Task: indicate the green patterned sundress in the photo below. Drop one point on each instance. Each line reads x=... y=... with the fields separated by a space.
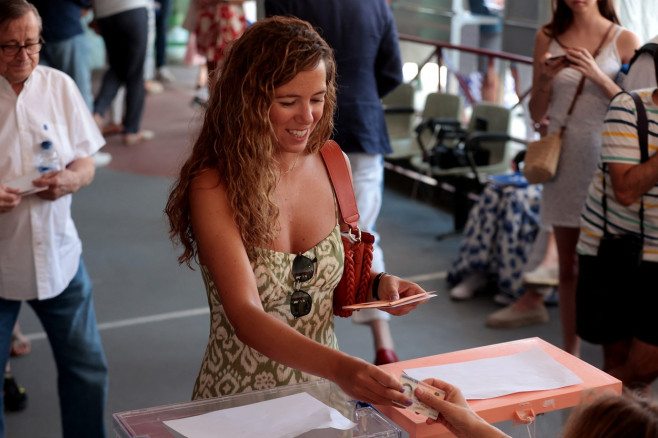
x=231 y=367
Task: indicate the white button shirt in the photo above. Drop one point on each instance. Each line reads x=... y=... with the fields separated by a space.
x=39 y=244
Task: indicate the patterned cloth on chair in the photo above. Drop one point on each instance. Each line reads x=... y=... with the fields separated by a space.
x=498 y=237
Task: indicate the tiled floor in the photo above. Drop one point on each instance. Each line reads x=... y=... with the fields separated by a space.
x=153 y=313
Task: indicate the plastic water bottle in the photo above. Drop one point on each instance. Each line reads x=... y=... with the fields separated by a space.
x=47 y=160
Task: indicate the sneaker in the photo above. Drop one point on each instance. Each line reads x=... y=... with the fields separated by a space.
x=14 y=394
x=471 y=284
x=541 y=276
x=510 y=318
x=102 y=159
x=164 y=75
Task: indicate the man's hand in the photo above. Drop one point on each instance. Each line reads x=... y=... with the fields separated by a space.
x=9 y=198
x=77 y=174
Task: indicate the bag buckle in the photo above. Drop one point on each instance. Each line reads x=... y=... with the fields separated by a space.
x=354 y=237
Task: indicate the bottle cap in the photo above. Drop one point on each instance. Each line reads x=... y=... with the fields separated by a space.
x=47 y=144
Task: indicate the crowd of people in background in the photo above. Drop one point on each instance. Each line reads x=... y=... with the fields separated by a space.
x=265 y=123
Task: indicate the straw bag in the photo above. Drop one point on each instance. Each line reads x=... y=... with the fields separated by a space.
x=541 y=158
x=358 y=245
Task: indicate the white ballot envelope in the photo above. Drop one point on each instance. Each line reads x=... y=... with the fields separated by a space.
x=24 y=183
x=391 y=304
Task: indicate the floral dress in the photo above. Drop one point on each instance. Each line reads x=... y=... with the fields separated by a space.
x=498 y=236
x=232 y=367
x=217 y=25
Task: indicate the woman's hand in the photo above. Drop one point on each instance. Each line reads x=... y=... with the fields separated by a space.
x=455 y=413
x=369 y=383
x=580 y=59
x=392 y=288
x=549 y=69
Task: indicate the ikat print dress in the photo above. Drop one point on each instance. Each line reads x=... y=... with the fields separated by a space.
x=231 y=367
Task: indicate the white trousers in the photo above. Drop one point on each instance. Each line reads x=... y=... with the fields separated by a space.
x=368 y=179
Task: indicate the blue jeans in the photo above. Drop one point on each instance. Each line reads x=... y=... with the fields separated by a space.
x=69 y=321
x=72 y=57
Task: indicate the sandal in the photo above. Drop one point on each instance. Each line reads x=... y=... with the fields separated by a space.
x=20 y=345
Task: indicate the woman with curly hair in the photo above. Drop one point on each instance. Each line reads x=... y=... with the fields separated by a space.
x=253 y=202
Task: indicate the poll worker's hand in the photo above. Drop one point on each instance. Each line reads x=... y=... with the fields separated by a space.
x=9 y=198
x=368 y=383
x=455 y=413
x=392 y=288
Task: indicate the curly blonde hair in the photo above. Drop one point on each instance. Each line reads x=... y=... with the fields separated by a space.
x=237 y=138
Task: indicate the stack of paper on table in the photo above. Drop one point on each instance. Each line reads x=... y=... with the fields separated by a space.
x=564 y=378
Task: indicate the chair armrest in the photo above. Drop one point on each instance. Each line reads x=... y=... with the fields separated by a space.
x=478 y=137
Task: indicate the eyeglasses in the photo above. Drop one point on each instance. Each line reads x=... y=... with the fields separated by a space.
x=303 y=269
x=14 y=49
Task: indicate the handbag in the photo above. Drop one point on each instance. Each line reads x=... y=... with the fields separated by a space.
x=542 y=156
x=358 y=245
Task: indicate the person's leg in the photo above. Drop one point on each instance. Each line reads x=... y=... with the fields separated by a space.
x=546 y=273
x=134 y=26
x=112 y=78
x=8 y=315
x=72 y=56
x=69 y=321
x=566 y=239
x=368 y=180
x=634 y=362
x=20 y=345
x=161 y=25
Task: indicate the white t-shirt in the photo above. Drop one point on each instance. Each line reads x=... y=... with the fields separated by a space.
x=642 y=72
x=39 y=244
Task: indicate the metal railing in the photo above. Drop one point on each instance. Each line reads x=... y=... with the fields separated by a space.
x=439 y=46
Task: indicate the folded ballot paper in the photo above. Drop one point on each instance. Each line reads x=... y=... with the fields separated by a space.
x=278 y=418
x=391 y=304
x=24 y=183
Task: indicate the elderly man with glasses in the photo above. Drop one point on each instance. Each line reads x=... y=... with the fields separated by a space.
x=40 y=251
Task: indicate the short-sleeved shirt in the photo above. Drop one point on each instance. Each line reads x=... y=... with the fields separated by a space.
x=620 y=144
x=39 y=245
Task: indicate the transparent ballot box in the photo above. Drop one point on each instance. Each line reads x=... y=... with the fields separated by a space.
x=148 y=422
